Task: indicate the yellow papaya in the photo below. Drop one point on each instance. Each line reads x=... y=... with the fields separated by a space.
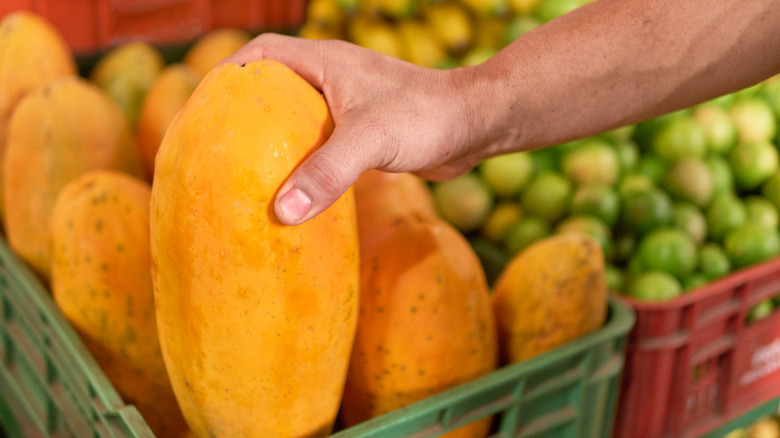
x=101 y=280
x=551 y=293
x=57 y=133
x=426 y=323
x=32 y=54
x=256 y=318
x=213 y=47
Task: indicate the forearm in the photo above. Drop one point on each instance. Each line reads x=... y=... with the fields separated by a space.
x=617 y=62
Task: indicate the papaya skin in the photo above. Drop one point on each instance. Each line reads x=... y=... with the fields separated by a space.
x=56 y=134
x=426 y=322
x=102 y=282
x=551 y=293
x=256 y=318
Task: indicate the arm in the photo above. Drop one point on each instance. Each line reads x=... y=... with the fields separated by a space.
x=605 y=65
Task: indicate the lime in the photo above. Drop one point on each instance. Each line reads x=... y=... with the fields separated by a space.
x=723 y=214
x=614 y=277
x=633 y=183
x=770 y=92
x=694 y=281
x=645 y=132
x=619 y=135
x=598 y=200
x=753 y=163
x=546 y=10
x=689 y=179
x=635 y=265
x=719 y=129
x=546 y=159
x=503 y=215
x=762 y=211
x=519 y=25
x=465 y=201
x=507 y=174
x=751 y=243
x=628 y=155
x=646 y=210
x=586 y=224
x=754 y=119
x=653 y=167
x=590 y=161
x=654 y=286
x=524 y=232
x=722 y=176
x=690 y=219
x=760 y=311
x=771 y=189
x=713 y=261
x=669 y=250
x=681 y=137
x=548 y=196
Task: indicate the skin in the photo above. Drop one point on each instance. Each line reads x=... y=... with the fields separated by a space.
x=608 y=64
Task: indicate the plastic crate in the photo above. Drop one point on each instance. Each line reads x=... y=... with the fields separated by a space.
x=51 y=386
x=90 y=26
x=694 y=364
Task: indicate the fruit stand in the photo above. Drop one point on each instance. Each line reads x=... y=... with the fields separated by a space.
x=683 y=212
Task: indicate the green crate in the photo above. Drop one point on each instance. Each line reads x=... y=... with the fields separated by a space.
x=51 y=386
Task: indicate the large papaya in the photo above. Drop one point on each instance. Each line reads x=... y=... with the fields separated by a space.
x=56 y=134
x=102 y=282
x=381 y=196
x=256 y=318
x=426 y=322
x=551 y=293
x=32 y=54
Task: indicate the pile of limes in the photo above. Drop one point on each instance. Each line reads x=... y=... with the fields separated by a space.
x=676 y=202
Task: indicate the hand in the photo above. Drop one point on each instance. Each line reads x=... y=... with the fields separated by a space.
x=388 y=114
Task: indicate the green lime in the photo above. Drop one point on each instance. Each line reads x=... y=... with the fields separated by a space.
x=628 y=156
x=753 y=163
x=548 y=196
x=465 y=201
x=722 y=176
x=723 y=214
x=591 y=161
x=507 y=174
x=669 y=250
x=654 y=286
x=681 y=137
x=754 y=119
x=524 y=232
x=751 y=243
x=598 y=200
x=633 y=183
x=771 y=189
x=713 y=261
x=762 y=211
x=653 y=167
x=615 y=278
x=719 y=129
x=690 y=219
x=619 y=135
x=586 y=224
x=645 y=211
x=760 y=311
x=546 y=159
x=689 y=179
x=770 y=92
x=503 y=215
x=694 y=281
x=645 y=132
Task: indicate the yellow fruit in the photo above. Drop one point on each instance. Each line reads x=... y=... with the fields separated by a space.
x=419 y=45
x=376 y=35
x=126 y=73
x=213 y=47
x=522 y=6
x=324 y=14
x=311 y=31
x=452 y=24
x=486 y=7
x=397 y=8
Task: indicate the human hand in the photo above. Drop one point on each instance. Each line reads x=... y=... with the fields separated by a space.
x=388 y=114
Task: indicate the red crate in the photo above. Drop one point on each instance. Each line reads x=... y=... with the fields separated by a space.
x=259 y=15
x=694 y=363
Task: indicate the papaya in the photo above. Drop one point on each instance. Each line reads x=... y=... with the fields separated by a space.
x=381 y=196
x=213 y=47
x=551 y=293
x=57 y=133
x=169 y=92
x=426 y=323
x=256 y=318
x=101 y=280
x=32 y=54
x=125 y=74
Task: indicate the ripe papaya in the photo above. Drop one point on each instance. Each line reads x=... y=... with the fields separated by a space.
x=552 y=292
x=56 y=134
x=101 y=280
x=426 y=323
x=32 y=54
x=213 y=47
x=256 y=318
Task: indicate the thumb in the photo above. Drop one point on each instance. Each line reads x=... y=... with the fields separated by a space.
x=317 y=183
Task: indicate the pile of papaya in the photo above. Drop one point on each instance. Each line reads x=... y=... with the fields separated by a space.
x=140 y=194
